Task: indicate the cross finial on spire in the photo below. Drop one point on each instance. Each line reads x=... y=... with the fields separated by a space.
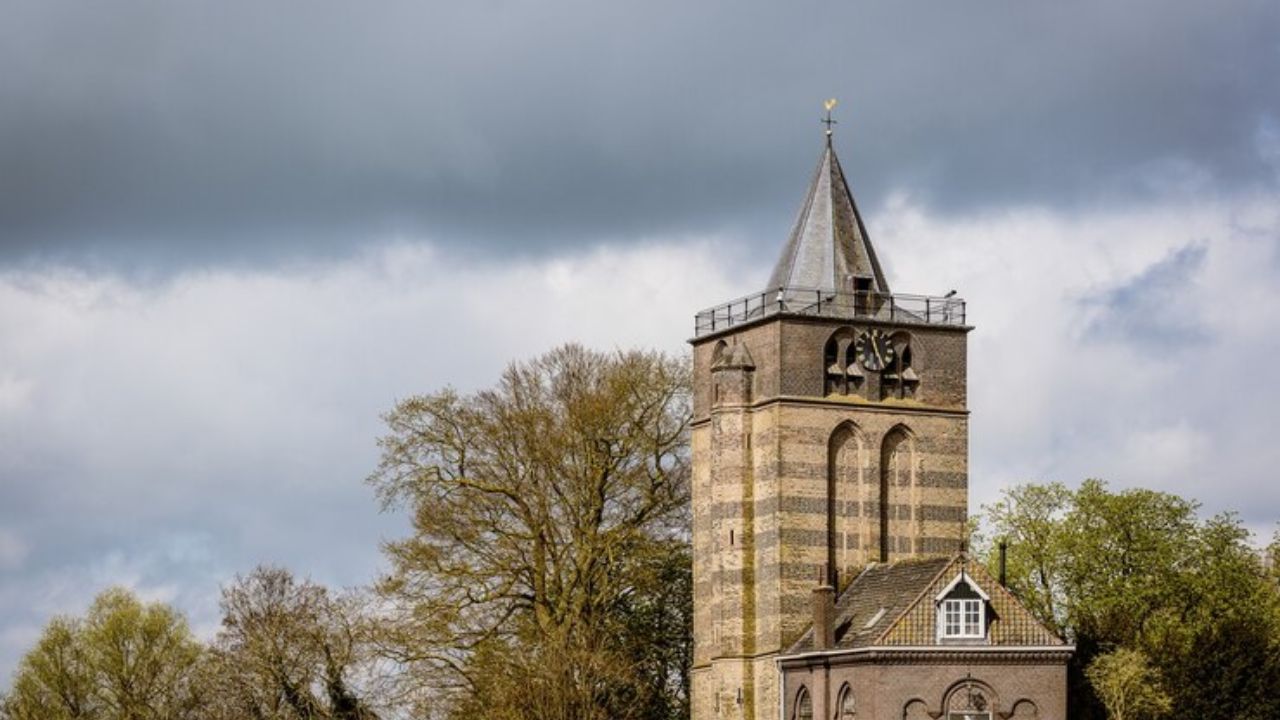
x=829 y=105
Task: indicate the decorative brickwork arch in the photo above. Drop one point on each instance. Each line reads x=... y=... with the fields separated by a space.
x=970 y=699
x=718 y=354
x=900 y=517
x=916 y=709
x=846 y=491
x=1024 y=709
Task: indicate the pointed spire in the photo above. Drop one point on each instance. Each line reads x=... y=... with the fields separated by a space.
x=829 y=246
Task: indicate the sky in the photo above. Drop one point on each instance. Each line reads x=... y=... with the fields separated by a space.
x=233 y=234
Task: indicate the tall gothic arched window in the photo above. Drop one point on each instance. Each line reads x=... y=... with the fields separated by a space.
x=897 y=491
x=845 y=462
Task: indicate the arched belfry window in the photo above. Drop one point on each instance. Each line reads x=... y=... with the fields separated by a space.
x=831 y=361
x=898 y=529
x=840 y=366
x=900 y=379
x=804 y=705
x=846 y=460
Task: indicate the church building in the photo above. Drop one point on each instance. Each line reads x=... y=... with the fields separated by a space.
x=830 y=500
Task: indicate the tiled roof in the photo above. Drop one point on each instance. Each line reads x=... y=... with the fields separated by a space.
x=892 y=604
x=891 y=587
x=1010 y=623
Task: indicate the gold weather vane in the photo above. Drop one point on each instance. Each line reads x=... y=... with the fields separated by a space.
x=829 y=105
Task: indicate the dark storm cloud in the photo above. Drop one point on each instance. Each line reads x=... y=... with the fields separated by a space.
x=233 y=131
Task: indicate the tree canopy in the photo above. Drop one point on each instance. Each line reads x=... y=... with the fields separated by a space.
x=288 y=649
x=550 y=516
x=125 y=660
x=1140 y=571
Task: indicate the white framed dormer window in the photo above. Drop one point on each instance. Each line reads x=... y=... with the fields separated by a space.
x=963 y=618
x=962 y=610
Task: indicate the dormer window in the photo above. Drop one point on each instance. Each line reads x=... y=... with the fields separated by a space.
x=962 y=610
x=963 y=618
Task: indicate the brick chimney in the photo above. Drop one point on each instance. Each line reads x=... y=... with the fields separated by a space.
x=1004 y=561
x=824 y=610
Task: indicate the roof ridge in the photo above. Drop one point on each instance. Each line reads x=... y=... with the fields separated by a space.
x=872 y=258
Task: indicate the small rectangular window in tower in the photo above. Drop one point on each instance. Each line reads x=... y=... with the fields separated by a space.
x=862 y=295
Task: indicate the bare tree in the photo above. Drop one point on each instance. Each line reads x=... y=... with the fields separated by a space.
x=537 y=506
x=288 y=650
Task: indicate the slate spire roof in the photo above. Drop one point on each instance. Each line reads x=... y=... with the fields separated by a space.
x=829 y=245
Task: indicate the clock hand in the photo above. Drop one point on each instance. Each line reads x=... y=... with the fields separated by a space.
x=876 y=347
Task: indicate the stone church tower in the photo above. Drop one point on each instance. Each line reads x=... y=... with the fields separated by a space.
x=830 y=431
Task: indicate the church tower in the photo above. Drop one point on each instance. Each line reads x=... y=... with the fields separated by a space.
x=830 y=431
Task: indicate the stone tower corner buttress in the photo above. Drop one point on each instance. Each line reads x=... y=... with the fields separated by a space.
x=830 y=431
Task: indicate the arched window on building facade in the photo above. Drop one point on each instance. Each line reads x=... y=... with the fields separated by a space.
x=846 y=459
x=804 y=705
x=898 y=527
x=844 y=704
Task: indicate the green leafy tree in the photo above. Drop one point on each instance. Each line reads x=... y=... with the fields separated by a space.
x=1272 y=557
x=1029 y=518
x=544 y=512
x=1125 y=555
x=1128 y=686
x=656 y=630
x=1223 y=648
x=54 y=679
x=125 y=660
x=1139 y=570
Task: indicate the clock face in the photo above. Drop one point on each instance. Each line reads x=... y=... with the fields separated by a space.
x=875 y=350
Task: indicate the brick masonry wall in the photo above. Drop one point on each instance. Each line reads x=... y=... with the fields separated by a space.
x=1021 y=686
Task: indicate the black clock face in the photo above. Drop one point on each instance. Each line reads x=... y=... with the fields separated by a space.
x=875 y=350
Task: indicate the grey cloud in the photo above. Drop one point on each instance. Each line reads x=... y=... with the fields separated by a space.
x=1158 y=309
x=161 y=133
x=167 y=436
